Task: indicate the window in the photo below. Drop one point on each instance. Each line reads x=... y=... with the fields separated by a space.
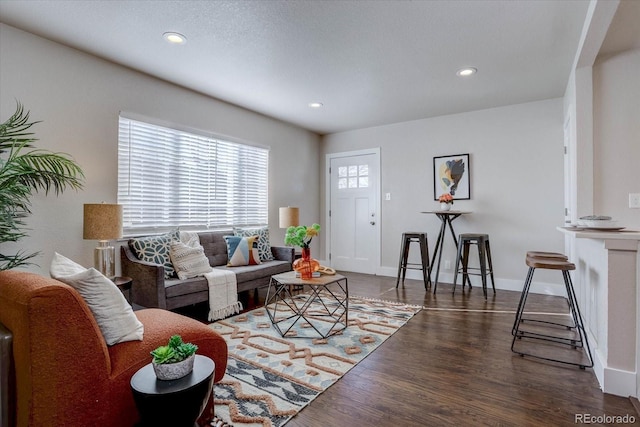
x=356 y=176
x=169 y=178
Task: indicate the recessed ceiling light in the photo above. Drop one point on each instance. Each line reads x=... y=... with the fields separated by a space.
x=465 y=72
x=174 y=38
x=315 y=104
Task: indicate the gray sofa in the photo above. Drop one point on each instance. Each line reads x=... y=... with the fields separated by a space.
x=151 y=289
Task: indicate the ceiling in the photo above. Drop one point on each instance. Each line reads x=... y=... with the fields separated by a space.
x=369 y=62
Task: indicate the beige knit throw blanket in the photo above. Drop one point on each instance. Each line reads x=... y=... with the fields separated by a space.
x=223 y=294
x=223 y=287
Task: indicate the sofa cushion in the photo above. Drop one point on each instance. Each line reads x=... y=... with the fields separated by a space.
x=189 y=260
x=112 y=312
x=264 y=245
x=215 y=247
x=244 y=274
x=252 y=272
x=156 y=249
x=242 y=250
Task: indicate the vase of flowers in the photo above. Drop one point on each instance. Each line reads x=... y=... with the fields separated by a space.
x=446 y=201
x=301 y=236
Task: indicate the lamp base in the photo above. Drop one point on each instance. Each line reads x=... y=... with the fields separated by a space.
x=105 y=259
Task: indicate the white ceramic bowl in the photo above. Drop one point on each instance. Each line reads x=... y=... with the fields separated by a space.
x=597 y=223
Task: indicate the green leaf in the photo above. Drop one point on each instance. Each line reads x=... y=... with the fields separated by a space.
x=163 y=354
x=23 y=171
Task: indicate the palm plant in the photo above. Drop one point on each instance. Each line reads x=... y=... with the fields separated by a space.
x=23 y=171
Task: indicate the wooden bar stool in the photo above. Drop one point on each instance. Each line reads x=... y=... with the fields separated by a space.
x=550 y=255
x=465 y=240
x=539 y=255
x=549 y=331
x=404 y=264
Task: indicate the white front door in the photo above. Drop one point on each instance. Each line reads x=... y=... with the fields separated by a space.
x=353 y=210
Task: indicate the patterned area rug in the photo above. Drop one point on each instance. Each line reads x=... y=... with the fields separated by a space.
x=269 y=379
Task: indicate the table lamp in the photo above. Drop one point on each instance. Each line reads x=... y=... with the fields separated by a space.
x=103 y=222
x=289 y=217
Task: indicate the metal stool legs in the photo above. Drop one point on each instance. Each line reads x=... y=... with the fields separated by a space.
x=404 y=264
x=484 y=254
x=574 y=342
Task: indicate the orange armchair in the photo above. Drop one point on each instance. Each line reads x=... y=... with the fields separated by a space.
x=63 y=372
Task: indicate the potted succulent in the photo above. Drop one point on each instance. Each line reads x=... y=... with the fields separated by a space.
x=174 y=360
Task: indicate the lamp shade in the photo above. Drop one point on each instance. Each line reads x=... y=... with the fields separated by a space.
x=102 y=221
x=289 y=217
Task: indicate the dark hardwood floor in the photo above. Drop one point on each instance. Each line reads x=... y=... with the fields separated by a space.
x=452 y=365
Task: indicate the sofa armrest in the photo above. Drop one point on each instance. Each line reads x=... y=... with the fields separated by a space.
x=147 y=289
x=283 y=253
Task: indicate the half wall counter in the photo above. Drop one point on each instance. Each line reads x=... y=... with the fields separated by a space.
x=607 y=284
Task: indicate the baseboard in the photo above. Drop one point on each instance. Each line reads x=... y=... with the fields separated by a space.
x=619 y=382
x=503 y=284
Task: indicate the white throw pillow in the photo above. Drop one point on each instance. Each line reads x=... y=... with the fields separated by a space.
x=111 y=310
x=189 y=259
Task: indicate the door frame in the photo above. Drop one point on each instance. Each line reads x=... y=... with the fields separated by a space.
x=327 y=220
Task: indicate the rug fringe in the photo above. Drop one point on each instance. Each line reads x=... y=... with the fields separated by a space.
x=388 y=302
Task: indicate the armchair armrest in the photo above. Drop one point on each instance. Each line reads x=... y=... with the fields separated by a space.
x=147 y=289
x=7 y=378
x=283 y=253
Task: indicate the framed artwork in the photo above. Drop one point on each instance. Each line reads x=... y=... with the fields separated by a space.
x=451 y=175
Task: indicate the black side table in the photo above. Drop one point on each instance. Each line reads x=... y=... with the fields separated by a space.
x=124 y=284
x=173 y=403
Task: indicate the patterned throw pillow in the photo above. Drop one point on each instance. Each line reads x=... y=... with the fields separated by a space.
x=242 y=250
x=156 y=249
x=264 y=246
x=189 y=260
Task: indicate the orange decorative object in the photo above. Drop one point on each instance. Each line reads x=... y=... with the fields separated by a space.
x=306 y=265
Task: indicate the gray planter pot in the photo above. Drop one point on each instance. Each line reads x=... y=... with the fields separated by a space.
x=173 y=371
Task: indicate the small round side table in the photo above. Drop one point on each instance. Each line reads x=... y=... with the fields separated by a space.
x=124 y=284
x=173 y=403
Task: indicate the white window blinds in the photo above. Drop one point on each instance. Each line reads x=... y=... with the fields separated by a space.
x=168 y=178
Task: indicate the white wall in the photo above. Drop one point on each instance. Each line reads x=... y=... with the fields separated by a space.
x=516 y=163
x=616 y=128
x=78 y=98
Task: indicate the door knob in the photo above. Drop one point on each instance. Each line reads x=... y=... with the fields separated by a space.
x=372 y=223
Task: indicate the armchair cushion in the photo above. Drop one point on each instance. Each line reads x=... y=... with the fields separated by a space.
x=111 y=310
